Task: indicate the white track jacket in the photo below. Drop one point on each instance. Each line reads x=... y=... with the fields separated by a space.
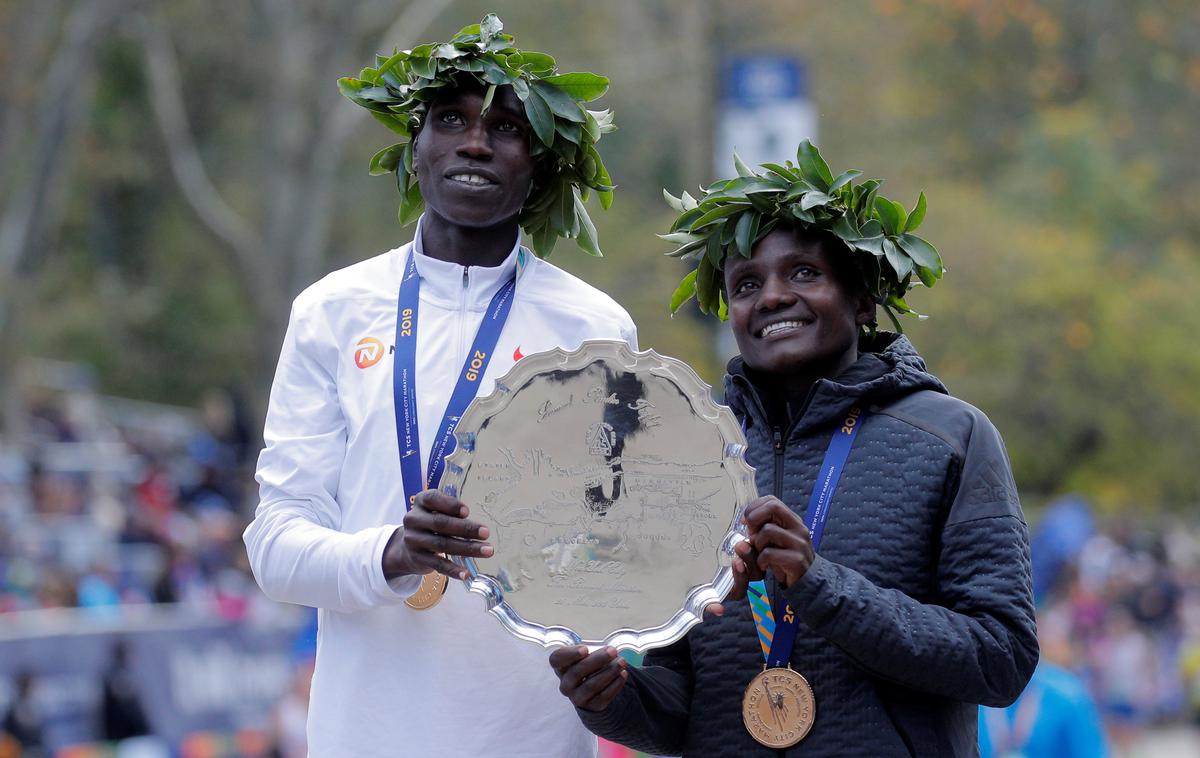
x=392 y=681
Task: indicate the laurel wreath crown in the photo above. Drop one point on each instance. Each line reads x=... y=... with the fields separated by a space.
x=732 y=215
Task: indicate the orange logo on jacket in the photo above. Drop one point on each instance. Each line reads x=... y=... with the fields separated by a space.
x=368 y=352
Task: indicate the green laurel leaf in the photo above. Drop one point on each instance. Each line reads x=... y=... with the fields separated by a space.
x=684 y=292
x=580 y=85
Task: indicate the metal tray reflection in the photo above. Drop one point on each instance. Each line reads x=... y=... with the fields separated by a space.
x=613 y=486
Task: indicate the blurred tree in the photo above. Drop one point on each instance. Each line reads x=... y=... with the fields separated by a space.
x=1136 y=64
x=45 y=90
x=1080 y=358
x=1063 y=110
x=277 y=231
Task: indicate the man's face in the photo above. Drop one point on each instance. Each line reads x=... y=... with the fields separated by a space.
x=474 y=169
x=788 y=309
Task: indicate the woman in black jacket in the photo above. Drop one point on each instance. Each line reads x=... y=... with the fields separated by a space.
x=916 y=606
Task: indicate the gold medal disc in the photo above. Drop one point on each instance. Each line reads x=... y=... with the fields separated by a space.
x=433 y=586
x=779 y=707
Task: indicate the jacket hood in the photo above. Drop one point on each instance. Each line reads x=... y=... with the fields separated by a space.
x=887 y=367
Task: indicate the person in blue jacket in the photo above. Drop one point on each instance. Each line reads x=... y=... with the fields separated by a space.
x=1055 y=717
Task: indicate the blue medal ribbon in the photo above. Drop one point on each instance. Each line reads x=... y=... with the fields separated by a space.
x=404 y=374
x=777 y=638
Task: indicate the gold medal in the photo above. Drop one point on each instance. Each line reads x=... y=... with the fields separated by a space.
x=433 y=586
x=778 y=708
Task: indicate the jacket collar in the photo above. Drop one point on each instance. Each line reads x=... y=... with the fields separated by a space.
x=442 y=282
x=886 y=368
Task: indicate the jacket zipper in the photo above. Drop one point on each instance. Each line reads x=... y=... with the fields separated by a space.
x=780 y=450
x=463 y=347
x=778 y=462
x=772 y=584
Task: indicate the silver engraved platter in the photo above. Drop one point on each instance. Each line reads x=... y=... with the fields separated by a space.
x=613 y=486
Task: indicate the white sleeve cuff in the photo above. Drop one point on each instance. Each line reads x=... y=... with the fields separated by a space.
x=395 y=590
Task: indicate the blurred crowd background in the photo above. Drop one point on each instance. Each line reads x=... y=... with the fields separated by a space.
x=110 y=505
x=173 y=173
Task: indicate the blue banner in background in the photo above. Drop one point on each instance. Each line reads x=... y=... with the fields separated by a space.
x=219 y=678
x=757 y=80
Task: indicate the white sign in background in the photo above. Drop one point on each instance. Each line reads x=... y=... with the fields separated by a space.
x=764 y=112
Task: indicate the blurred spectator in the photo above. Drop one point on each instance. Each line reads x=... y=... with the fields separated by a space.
x=1063 y=530
x=288 y=735
x=1055 y=717
x=224 y=442
x=48 y=420
x=212 y=491
x=57 y=590
x=156 y=494
x=97 y=593
x=122 y=714
x=55 y=493
x=23 y=721
x=1125 y=663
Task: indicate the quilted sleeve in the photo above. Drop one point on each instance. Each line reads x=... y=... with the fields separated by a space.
x=651 y=713
x=976 y=641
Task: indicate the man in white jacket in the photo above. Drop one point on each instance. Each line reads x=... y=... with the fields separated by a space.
x=374 y=355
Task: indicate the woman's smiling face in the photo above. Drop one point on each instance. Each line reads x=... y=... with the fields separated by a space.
x=789 y=308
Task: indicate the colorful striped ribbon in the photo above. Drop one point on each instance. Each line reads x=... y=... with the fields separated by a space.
x=764 y=619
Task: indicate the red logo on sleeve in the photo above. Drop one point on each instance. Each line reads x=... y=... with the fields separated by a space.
x=517 y=354
x=368 y=352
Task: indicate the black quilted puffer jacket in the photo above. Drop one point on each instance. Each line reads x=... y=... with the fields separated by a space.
x=917 y=608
